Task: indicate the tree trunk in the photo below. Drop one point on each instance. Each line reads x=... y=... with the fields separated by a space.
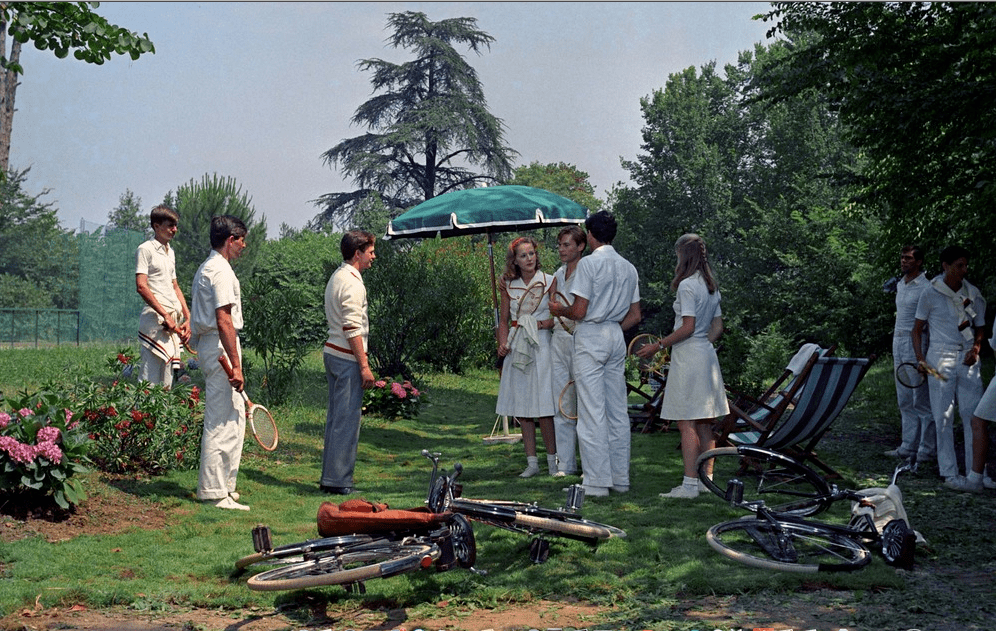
x=8 y=86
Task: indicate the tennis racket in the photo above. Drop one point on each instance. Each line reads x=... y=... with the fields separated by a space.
x=913 y=375
x=568 y=402
x=264 y=428
x=528 y=304
x=568 y=324
x=649 y=364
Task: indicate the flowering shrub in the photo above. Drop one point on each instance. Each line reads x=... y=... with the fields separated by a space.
x=141 y=426
x=124 y=363
x=392 y=399
x=42 y=447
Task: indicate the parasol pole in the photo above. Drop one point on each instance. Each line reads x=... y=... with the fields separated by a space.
x=494 y=284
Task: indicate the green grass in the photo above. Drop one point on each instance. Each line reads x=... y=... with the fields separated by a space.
x=642 y=579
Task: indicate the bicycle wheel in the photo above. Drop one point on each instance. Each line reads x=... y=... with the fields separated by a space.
x=486 y=513
x=297 y=552
x=439 y=494
x=899 y=544
x=786 y=486
x=377 y=559
x=464 y=544
x=787 y=546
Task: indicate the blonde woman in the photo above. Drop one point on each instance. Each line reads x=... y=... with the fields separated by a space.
x=527 y=380
x=694 y=394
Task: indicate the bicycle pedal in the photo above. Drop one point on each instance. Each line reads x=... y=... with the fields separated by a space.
x=262 y=538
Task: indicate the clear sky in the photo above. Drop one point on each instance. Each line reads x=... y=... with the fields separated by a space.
x=258 y=91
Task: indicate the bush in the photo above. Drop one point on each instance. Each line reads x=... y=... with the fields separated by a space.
x=42 y=448
x=391 y=399
x=139 y=426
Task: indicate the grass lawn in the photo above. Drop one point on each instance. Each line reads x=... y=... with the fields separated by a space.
x=643 y=581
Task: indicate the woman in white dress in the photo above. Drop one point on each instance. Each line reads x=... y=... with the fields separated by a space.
x=694 y=394
x=527 y=373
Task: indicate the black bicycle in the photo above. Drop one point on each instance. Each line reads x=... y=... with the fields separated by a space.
x=782 y=493
x=350 y=560
x=445 y=494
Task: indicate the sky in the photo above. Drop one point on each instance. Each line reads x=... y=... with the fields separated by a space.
x=258 y=91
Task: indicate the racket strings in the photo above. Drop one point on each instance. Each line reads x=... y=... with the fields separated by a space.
x=264 y=428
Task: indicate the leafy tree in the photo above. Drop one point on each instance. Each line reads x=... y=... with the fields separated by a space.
x=760 y=182
x=563 y=179
x=60 y=27
x=913 y=84
x=430 y=126
x=128 y=214
x=196 y=203
x=36 y=256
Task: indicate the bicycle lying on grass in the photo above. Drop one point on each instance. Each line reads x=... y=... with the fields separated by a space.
x=782 y=493
x=445 y=494
x=405 y=541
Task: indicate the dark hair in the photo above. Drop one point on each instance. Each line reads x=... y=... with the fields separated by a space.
x=163 y=213
x=224 y=226
x=355 y=241
x=576 y=234
x=915 y=250
x=602 y=226
x=952 y=253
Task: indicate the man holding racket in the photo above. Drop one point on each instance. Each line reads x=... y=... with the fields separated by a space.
x=918 y=433
x=606 y=302
x=165 y=321
x=347 y=368
x=215 y=320
x=954 y=311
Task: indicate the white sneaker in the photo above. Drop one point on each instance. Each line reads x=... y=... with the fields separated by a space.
x=560 y=474
x=234 y=495
x=595 y=491
x=620 y=488
x=227 y=502
x=531 y=470
x=682 y=492
x=988 y=483
x=702 y=487
x=961 y=483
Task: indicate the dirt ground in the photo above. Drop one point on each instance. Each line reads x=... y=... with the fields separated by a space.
x=100 y=515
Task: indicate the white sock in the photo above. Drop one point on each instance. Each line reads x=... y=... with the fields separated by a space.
x=974 y=477
x=689 y=482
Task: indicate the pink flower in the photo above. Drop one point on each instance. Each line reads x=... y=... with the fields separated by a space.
x=25 y=412
x=69 y=415
x=19 y=452
x=380 y=384
x=49 y=434
x=50 y=451
x=414 y=391
x=398 y=390
x=4 y=419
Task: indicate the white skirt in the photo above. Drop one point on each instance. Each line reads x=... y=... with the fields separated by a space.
x=694 y=388
x=528 y=393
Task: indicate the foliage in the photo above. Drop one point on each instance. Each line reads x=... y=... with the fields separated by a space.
x=42 y=450
x=128 y=214
x=430 y=126
x=283 y=303
x=139 y=427
x=563 y=179
x=70 y=26
x=36 y=256
x=913 y=84
x=392 y=399
x=196 y=203
x=763 y=184
x=430 y=307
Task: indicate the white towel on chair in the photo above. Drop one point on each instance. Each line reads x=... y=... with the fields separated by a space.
x=798 y=362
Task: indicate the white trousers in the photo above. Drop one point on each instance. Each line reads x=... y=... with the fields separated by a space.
x=224 y=425
x=562 y=351
x=153 y=369
x=603 y=422
x=964 y=389
x=918 y=428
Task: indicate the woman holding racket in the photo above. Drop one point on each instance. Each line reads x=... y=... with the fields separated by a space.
x=571 y=243
x=524 y=327
x=694 y=394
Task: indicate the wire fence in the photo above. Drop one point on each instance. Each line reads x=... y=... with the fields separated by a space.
x=39 y=327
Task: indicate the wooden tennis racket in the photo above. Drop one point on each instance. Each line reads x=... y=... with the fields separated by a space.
x=264 y=428
x=568 y=324
x=568 y=402
x=913 y=375
x=652 y=363
x=528 y=304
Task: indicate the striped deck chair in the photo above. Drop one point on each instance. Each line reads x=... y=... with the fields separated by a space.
x=825 y=392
